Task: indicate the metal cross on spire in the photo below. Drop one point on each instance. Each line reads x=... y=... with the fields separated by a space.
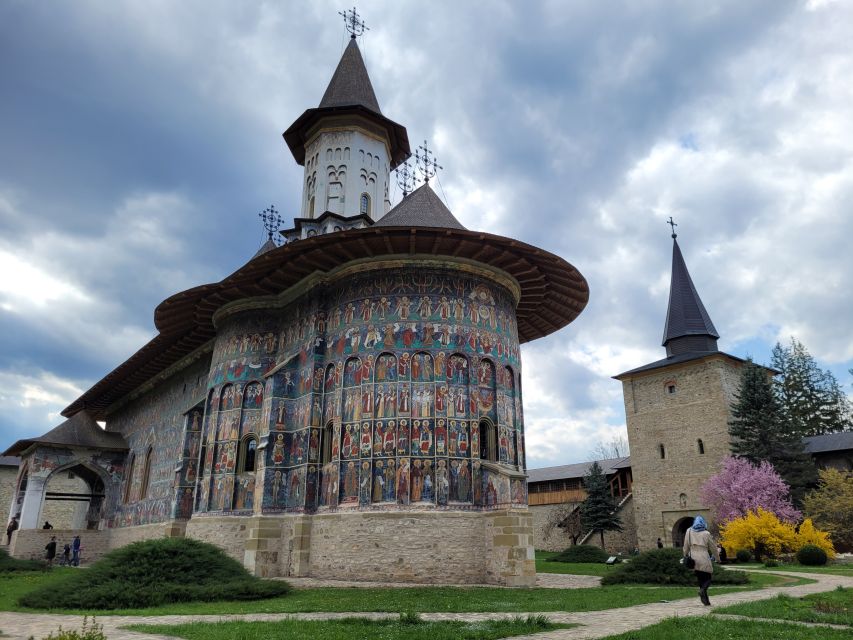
x=354 y=22
x=271 y=220
x=673 y=225
x=406 y=178
x=426 y=162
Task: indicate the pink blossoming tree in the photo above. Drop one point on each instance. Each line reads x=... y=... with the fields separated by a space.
x=741 y=487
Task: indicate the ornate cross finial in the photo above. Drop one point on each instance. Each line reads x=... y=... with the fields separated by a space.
x=406 y=178
x=353 y=21
x=271 y=220
x=428 y=166
x=673 y=225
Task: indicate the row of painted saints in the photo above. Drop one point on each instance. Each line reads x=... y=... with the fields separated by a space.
x=476 y=308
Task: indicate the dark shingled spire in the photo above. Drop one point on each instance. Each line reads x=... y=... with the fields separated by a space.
x=688 y=326
x=421 y=208
x=350 y=85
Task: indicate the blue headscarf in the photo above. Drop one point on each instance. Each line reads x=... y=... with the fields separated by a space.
x=699 y=524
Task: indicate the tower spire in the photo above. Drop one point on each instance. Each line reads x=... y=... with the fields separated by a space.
x=688 y=326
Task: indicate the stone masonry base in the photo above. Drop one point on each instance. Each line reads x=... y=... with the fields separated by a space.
x=462 y=547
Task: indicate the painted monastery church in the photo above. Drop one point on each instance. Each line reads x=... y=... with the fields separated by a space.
x=345 y=405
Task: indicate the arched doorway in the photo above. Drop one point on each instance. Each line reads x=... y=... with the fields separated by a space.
x=679 y=530
x=74 y=498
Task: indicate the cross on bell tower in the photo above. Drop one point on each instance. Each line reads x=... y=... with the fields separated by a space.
x=406 y=178
x=271 y=221
x=673 y=225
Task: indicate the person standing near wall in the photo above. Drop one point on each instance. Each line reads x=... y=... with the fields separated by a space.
x=700 y=546
x=75 y=552
x=11 y=528
x=50 y=551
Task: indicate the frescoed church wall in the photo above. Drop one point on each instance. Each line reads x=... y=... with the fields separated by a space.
x=159 y=420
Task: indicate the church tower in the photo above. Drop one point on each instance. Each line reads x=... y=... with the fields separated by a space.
x=347 y=147
x=677 y=411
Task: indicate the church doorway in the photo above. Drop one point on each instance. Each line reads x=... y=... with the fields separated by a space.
x=679 y=531
x=73 y=498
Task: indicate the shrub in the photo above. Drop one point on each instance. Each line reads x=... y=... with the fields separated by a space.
x=759 y=531
x=770 y=563
x=807 y=534
x=9 y=564
x=582 y=553
x=152 y=573
x=811 y=555
x=743 y=555
x=663 y=566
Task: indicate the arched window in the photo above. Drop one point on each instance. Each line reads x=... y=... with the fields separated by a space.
x=128 y=480
x=326 y=444
x=488 y=441
x=248 y=449
x=701 y=446
x=311 y=207
x=662 y=451
x=364 y=205
x=146 y=474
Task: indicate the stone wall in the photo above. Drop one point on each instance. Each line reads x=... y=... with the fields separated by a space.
x=555 y=540
x=624 y=541
x=509 y=548
x=229 y=533
x=441 y=546
x=666 y=489
x=30 y=543
x=8 y=476
x=65 y=514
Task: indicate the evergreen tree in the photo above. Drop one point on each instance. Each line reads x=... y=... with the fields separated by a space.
x=598 y=511
x=812 y=399
x=760 y=432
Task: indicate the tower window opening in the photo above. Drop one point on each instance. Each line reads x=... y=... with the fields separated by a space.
x=311 y=207
x=129 y=481
x=671 y=388
x=364 y=206
x=701 y=446
x=662 y=451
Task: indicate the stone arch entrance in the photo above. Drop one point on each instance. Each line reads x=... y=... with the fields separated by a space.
x=74 y=496
x=679 y=530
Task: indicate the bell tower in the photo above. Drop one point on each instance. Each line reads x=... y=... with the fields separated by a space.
x=348 y=148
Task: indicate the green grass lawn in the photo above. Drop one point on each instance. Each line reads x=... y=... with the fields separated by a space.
x=422 y=599
x=706 y=628
x=354 y=629
x=544 y=565
x=845 y=569
x=834 y=607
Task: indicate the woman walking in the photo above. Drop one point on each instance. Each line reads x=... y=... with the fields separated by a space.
x=700 y=546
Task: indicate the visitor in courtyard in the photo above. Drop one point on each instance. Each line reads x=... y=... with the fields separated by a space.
x=50 y=551
x=700 y=546
x=66 y=555
x=722 y=551
x=75 y=552
x=660 y=543
x=47 y=525
x=10 y=529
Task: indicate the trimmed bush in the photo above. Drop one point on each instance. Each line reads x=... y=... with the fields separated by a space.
x=770 y=563
x=9 y=564
x=582 y=553
x=663 y=566
x=811 y=555
x=153 y=573
x=743 y=555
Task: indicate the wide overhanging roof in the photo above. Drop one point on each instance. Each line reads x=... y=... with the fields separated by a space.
x=553 y=292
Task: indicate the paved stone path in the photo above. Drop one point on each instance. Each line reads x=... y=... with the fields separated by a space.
x=596 y=624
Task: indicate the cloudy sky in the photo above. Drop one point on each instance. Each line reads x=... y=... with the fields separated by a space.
x=139 y=140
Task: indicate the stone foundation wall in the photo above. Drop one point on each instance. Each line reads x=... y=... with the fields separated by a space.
x=122 y=536
x=8 y=475
x=229 y=533
x=30 y=543
x=407 y=547
x=509 y=548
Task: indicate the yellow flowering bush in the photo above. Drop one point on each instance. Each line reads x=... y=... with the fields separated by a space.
x=808 y=534
x=762 y=533
x=759 y=531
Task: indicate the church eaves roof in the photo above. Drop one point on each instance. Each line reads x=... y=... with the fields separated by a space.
x=80 y=430
x=350 y=85
x=421 y=208
x=680 y=358
x=553 y=292
x=685 y=315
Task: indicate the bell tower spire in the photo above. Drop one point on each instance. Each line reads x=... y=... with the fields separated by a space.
x=347 y=146
x=688 y=326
